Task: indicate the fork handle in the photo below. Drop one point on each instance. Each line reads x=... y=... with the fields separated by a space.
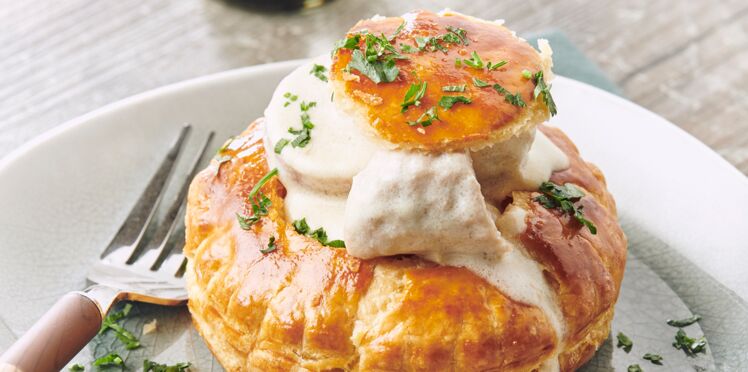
x=56 y=338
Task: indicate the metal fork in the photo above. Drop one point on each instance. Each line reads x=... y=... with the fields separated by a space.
x=132 y=267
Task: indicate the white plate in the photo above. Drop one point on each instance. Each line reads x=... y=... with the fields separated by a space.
x=63 y=195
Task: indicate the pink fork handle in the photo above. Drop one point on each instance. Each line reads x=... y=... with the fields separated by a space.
x=56 y=338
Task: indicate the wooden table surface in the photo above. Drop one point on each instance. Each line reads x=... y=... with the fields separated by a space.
x=685 y=60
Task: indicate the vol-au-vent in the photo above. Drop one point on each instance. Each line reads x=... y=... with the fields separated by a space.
x=403 y=206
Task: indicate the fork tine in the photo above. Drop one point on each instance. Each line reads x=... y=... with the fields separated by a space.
x=168 y=226
x=133 y=229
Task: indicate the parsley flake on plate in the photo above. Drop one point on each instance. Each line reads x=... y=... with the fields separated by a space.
x=654 y=358
x=111 y=322
x=690 y=346
x=680 y=323
x=624 y=342
x=150 y=366
x=635 y=368
x=271 y=246
x=110 y=360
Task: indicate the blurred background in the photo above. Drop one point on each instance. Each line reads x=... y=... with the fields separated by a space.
x=685 y=60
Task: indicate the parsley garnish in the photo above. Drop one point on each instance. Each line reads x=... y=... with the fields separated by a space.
x=448 y=101
x=460 y=33
x=654 y=358
x=405 y=48
x=474 y=61
x=398 y=30
x=426 y=119
x=319 y=71
x=271 y=246
x=684 y=322
x=458 y=62
x=635 y=368
x=496 y=65
x=527 y=74
x=480 y=83
x=515 y=99
x=454 y=88
x=301 y=226
x=259 y=202
x=347 y=43
x=125 y=336
x=303 y=135
x=280 y=145
x=290 y=97
x=563 y=198
x=149 y=366
x=413 y=95
x=624 y=341
x=440 y=42
x=377 y=60
x=320 y=234
x=77 y=368
x=111 y=359
x=541 y=89
x=690 y=346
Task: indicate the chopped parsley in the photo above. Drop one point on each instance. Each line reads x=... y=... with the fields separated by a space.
x=624 y=342
x=111 y=322
x=259 y=202
x=496 y=65
x=149 y=366
x=635 y=368
x=406 y=48
x=480 y=83
x=77 y=368
x=684 y=322
x=690 y=346
x=563 y=198
x=280 y=145
x=398 y=30
x=515 y=99
x=109 y=360
x=413 y=95
x=448 y=101
x=319 y=234
x=458 y=62
x=376 y=60
x=290 y=98
x=319 y=71
x=454 y=88
x=527 y=74
x=544 y=90
x=271 y=246
x=474 y=61
x=426 y=119
x=654 y=358
x=460 y=33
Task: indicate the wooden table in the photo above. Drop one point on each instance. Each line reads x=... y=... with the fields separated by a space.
x=685 y=60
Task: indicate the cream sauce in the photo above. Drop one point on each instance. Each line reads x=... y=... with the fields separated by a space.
x=409 y=202
x=317 y=176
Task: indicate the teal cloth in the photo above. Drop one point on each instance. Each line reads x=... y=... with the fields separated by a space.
x=570 y=62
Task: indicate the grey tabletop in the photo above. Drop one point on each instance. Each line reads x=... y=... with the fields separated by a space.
x=685 y=60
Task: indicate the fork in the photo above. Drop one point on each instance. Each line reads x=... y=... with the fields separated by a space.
x=131 y=267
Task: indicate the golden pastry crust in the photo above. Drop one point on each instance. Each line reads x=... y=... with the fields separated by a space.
x=487 y=119
x=309 y=307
